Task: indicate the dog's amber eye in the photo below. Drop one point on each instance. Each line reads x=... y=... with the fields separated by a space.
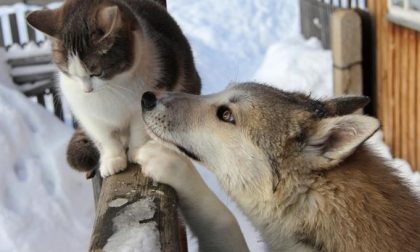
x=225 y=114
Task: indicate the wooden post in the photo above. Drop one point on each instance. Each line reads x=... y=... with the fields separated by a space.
x=346 y=36
x=130 y=207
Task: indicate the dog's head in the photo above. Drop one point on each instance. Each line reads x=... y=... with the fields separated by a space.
x=238 y=132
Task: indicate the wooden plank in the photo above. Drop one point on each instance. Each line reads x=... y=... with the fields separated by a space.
x=2 y=42
x=14 y=28
x=37 y=88
x=396 y=92
x=41 y=99
x=31 y=61
x=411 y=99
x=31 y=31
x=30 y=78
x=404 y=94
x=418 y=106
x=388 y=99
x=58 y=107
x=121 y=192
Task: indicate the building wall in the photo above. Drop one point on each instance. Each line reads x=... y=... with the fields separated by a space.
x=398 y=84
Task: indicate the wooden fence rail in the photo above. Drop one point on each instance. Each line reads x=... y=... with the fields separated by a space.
x=130 y=204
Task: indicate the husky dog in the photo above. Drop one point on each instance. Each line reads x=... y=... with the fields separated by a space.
x=299 y=168
x=109 y=52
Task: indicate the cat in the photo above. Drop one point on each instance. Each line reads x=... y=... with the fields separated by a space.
x=109 y=52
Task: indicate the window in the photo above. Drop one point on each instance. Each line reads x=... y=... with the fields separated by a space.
x=405 y=12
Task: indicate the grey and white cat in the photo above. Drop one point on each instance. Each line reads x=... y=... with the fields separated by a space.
x=109 y=52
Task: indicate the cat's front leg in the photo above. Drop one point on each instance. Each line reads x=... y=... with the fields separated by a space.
x=113 y=158
x=138 y=138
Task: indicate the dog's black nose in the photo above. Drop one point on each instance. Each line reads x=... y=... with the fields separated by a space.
x=148 y=101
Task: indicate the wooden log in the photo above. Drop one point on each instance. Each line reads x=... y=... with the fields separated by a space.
x=131 y=204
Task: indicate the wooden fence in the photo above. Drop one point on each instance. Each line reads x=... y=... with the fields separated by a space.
x=316 y=17
x=398 y=84
x=391 y=68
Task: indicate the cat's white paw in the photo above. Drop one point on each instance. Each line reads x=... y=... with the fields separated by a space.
x=112 y=165
x=164 y=165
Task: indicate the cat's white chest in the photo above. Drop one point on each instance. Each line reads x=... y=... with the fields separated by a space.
x=109 y=104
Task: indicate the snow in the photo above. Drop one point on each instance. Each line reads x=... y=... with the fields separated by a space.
x=45 y=206
x=131 y=234
x=230 y=38
x=298 y=65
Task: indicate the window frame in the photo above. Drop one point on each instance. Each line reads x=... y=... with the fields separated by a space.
x=404 y=16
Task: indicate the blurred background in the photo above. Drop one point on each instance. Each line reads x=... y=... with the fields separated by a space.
x=324 y=48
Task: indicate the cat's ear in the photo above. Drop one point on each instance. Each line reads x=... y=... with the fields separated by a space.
x=46 y=21
x=110 y=20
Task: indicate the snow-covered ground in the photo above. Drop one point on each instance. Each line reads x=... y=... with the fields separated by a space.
x=45 y=206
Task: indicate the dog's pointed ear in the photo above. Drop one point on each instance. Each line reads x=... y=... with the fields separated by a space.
x=334 y=139
x=345 y=105
x=46 y=21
